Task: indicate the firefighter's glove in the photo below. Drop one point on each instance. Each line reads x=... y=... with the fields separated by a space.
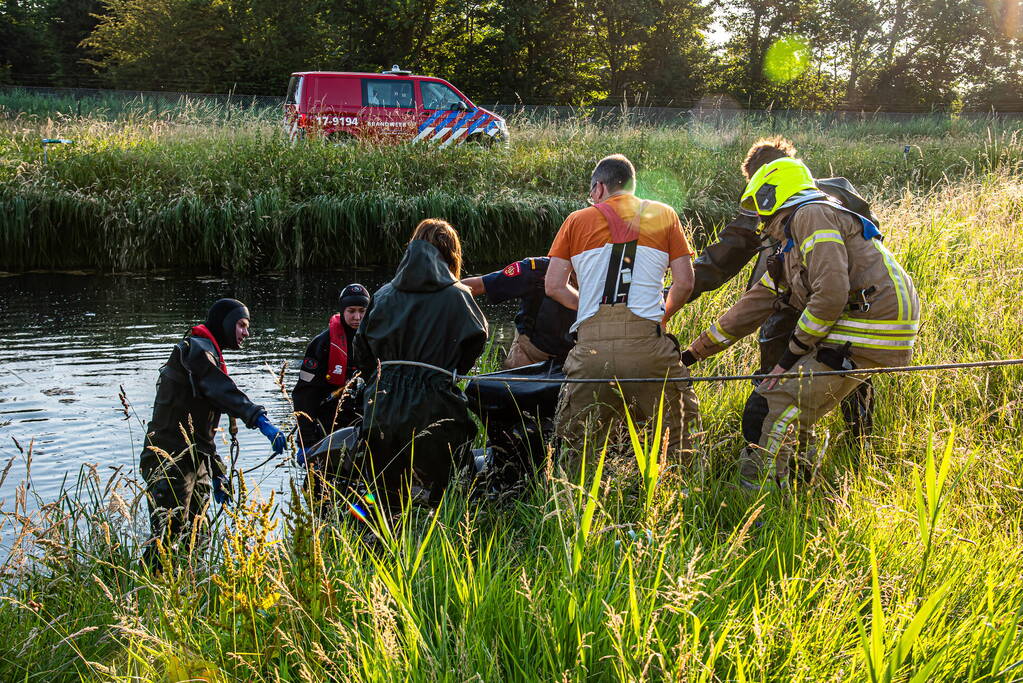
x=221 y=490
x=270 y=431
x=688 y=359
x=300 y=457
x=788 y=359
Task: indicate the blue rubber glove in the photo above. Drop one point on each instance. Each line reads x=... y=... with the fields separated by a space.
x=300 y=457
x=270 y=431
x=222 y=490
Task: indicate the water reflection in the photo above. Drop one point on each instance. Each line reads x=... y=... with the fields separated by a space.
x=69 y=342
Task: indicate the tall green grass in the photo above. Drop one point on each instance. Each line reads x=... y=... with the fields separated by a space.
x=144 y=190
x=900 y=563
x=115 y=105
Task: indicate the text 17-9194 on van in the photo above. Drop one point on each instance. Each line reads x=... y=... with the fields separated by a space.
x=393 y=105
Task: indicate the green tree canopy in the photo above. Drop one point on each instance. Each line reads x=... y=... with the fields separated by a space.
x=776 y=53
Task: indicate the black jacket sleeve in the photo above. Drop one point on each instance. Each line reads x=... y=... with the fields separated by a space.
x=312 y=389
x=737 y=243
x=471 y=349
x=216 y=387
x=473 y=335
x=362 y=354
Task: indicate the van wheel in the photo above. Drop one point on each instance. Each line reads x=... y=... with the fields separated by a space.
x=341 y=137
x=481 y=139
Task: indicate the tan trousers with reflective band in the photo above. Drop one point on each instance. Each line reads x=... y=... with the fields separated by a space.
x=795 y=404
x=522 y=352
x=616 y=342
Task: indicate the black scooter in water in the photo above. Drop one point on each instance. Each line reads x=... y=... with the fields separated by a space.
x=518 y=417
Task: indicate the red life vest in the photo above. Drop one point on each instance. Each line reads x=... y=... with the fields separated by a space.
x=337 y=362
x=203 y=331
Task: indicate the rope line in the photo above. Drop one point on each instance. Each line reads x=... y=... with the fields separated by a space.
x=714 y=378
x=455 y=376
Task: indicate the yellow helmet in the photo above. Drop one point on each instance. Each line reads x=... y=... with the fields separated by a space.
x=773 y=184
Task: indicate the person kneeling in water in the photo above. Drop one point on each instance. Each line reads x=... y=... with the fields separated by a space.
x=180 y=458
x=323 y=401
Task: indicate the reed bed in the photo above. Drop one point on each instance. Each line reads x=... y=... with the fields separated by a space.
x=900 y=563
x=193 y=188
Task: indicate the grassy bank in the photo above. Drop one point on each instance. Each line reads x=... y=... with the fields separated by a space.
x=191 y=188
x=901 y=563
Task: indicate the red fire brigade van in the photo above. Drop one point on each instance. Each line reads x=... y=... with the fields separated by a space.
x=391 y=105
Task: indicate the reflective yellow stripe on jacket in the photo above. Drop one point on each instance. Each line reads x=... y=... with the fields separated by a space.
x=720 y=336
x=819 y=236
x=874 y=334
x=899 y=280
x=813 y=325
x=767 y=281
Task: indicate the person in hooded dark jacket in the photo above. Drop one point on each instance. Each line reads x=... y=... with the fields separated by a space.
x=326 y=371
x=416 y=417
x=180 y=458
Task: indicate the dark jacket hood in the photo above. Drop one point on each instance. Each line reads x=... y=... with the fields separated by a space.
x=422 y=269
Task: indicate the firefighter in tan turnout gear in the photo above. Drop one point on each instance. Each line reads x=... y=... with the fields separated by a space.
x=859 y=309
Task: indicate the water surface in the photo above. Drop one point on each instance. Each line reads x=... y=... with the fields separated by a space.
x=69 y=342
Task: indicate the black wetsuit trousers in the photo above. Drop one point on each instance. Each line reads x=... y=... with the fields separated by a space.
x=177 y=493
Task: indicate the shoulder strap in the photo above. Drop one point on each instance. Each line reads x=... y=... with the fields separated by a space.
x=870 y=231
x=625 y=240
x=620 y=230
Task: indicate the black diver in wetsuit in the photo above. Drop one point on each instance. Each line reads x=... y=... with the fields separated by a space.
x=179 y=461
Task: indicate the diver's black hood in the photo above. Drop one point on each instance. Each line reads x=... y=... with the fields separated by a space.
x=221 y=320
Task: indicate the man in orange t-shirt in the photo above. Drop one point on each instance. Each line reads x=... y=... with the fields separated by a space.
x=619 y=250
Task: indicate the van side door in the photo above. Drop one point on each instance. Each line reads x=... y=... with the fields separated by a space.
x=389 y=107
x=292 y=108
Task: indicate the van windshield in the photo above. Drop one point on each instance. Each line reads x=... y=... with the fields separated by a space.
x=439 y=96
x=294 y=85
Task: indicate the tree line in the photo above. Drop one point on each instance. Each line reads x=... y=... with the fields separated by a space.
x=818 y=54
